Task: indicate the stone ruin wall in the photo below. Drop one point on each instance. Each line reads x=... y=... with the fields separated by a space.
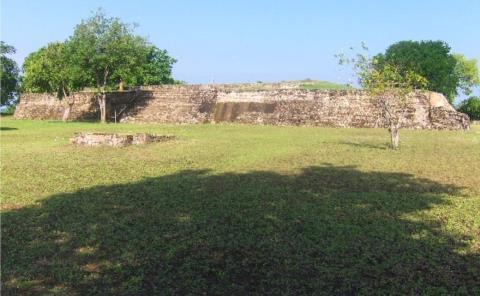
x=271 y=104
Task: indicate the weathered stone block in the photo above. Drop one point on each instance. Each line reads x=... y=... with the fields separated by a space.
x=115 y=140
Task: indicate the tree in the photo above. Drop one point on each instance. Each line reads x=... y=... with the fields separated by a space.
x=467 y=72
x=158 y=69
x=389 y=87
x=101 y=54
x=446 y=73
x=9 y=75
x=51 y=70
x=108 y=51
x=471 y=107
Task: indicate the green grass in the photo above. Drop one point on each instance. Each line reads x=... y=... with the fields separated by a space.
x=319 y=85
x=240 y=210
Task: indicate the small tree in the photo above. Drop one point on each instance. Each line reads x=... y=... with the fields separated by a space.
x=391 y=91
x=9 y=74
x=389 y=87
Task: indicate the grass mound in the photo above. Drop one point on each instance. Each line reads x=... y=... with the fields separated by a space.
x=322 y=85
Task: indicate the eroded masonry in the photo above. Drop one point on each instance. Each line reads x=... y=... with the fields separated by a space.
x=271 y=104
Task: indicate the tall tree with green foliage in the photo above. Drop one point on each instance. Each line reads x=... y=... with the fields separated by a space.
x=445 y=72
x=50 y=69
x=467 y=72
x=102 y=53
x=108 y=51
x=9 y=75
x=389 y=87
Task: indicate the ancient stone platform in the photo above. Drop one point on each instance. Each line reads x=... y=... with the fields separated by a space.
x=116 y=140
x=272 y=104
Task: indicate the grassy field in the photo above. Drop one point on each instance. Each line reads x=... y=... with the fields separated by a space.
x=240 y=210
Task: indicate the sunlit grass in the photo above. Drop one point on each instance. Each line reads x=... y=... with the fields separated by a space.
x=214 y=210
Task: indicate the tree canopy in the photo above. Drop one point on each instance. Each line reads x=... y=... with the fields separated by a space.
x=101 y=53
x=107 y=51
x=157 y=69
x=467 y=72
x=9 y=74
x=445 y=72
x=50 y=69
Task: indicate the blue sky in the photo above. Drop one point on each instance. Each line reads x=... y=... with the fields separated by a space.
x=243 y=41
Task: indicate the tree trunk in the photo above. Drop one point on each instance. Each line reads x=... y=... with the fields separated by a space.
x=66 y=113
x=395 y=136
x=102 y=102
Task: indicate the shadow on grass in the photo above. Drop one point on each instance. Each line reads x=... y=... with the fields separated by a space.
x=366 y=145
x=327 y=230
x=6 y=128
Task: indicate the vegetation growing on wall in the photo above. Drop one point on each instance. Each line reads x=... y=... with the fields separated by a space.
x=319 y=84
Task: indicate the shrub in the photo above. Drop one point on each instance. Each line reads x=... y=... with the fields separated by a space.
x=471 y=107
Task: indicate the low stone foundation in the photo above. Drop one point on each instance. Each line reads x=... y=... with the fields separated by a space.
x=116 y=140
